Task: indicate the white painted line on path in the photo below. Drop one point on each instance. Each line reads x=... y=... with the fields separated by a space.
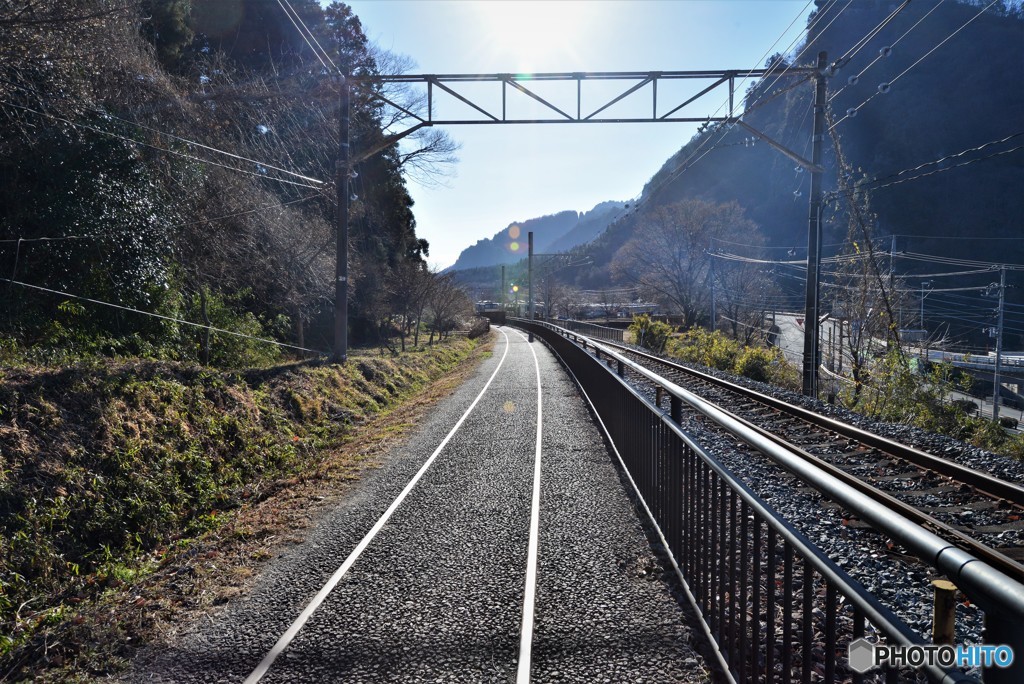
x=530 y=591
x=287 y=637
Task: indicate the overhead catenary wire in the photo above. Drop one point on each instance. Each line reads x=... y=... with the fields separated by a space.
x=162 y=317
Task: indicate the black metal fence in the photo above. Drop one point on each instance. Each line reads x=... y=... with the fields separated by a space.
x=776 y=607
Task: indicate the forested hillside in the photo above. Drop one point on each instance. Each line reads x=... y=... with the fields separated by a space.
x=960 y=96
x=923 y=136
x=178 y=158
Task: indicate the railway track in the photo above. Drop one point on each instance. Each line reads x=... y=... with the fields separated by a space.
x=980 y=513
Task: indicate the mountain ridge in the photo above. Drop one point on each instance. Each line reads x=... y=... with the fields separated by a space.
x=557 y=232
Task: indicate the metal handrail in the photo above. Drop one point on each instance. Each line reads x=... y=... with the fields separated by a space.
x=1001 y=597
x=983 y=584
x=601 y=331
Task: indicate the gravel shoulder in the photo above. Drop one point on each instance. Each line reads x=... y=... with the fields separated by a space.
x=437 y=595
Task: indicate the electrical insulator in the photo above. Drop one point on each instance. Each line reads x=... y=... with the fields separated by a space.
x=797 y=193
x=886 y=51
x=884 y=88
x=851 y=112
x=354 y=197
x=798 y=169
x=853 y=80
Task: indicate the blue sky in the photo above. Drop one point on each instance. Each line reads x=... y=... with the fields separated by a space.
x=513 y=173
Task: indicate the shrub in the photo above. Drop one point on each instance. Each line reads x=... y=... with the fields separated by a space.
x=759 y=363
x=713 y=350
x=717 y=351
x=650 y=334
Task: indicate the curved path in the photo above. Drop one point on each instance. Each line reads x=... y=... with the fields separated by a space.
x=496 y=545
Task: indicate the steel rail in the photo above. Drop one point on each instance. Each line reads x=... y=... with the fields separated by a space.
x=983 y=482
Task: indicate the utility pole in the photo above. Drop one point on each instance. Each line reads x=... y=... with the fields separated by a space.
x=924 y=330
x=340 y=354
x=503 y=288
x=924 y=284
x=811 y=313
x=999 y=345
x=714 y=314
x=529 y=237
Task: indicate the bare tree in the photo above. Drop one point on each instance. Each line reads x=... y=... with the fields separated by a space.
x=667 y=256
x=742 y=292
x=447 y=303
x=410 y=288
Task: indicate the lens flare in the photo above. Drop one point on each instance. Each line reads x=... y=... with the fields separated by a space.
x=514 y=246
x=513 y=232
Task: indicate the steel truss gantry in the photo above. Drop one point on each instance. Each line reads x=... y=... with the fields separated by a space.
x=512 y=84
x=490 y=108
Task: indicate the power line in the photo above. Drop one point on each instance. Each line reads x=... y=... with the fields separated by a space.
x=212 y=219
x=807 y=32
x=882 y=53
x=162 y=317
x=51 y=239
x=178 y=138
x=721 y=131
x=929 y=258
x=862 y=43
x=792 y=44
x=216 y=150
x=853 y=111
x=689 y=161
x=162 y=149
x=279 y=205
x=925 y=165
x=943 y=42
x=319 y=54
x=974 y=238
x=950 y=168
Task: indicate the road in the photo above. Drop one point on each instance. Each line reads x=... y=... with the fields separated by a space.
x=428 y=570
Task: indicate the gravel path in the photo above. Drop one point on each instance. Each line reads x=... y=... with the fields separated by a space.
x=437 y=595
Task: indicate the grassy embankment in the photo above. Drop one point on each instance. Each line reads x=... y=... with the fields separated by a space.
x=131 y=491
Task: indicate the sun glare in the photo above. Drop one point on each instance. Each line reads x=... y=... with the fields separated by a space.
x=533 y=36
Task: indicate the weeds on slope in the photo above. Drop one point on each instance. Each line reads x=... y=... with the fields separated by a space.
x=111 y=471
